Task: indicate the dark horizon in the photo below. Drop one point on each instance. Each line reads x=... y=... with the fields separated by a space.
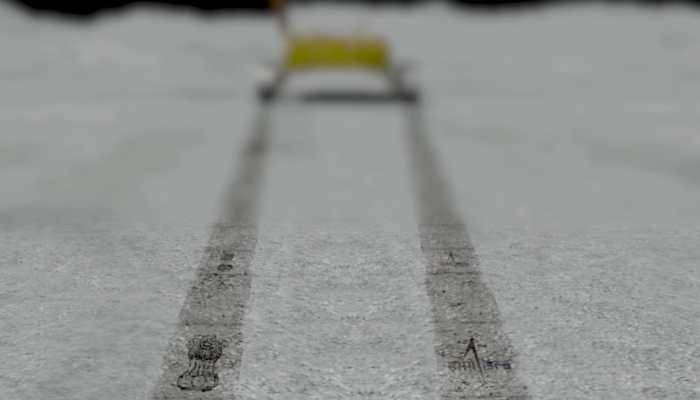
x=81 y=8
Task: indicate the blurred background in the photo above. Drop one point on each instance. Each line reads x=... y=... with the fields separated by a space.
x=81 y=7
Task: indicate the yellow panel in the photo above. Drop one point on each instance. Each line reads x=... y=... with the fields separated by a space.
x=322 y=51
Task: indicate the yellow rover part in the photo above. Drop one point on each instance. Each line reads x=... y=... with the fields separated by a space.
x=323 y=51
